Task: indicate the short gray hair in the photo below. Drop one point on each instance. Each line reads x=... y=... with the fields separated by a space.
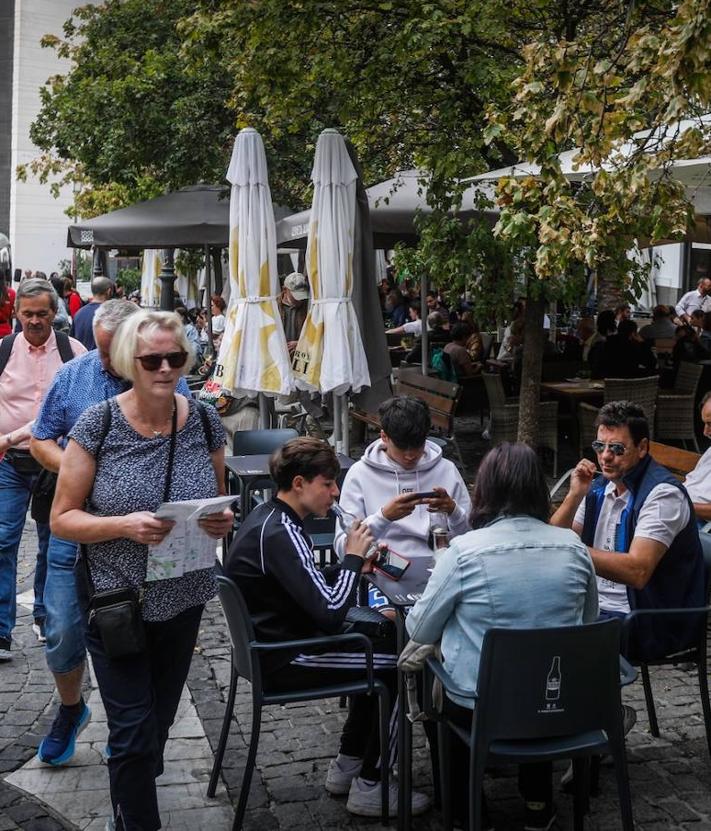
x=140 y=326
x=112 y=313
x=101 y=286
x=33 y=287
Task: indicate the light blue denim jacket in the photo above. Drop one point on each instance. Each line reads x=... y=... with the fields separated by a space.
x=517 y=572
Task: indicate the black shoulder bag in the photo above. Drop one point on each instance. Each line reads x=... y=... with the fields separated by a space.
x=117 y=612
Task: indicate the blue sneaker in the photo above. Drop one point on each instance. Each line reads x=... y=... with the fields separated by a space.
x=58 y=746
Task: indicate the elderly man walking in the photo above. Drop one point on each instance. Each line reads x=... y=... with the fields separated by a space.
x=28 y=361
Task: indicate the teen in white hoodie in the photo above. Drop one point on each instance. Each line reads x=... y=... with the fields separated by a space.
x=402 y=462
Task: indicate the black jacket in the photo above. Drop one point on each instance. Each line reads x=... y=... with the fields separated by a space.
x=271 y=560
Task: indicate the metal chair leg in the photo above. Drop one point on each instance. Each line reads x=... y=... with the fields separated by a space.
x=384 y=715
x=224 y=733
x=444 y=739
x=581 y=783
x=705 y=705
x=649 y=700
x=623 y=784
x=249 y=766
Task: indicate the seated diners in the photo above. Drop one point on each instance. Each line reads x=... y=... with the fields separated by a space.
x=513 y=570
x=271 y=560
x=698 y=481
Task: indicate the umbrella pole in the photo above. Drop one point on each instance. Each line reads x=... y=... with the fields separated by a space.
x=345 y=426
x=424 y=339
x=263 y=412
x=206 y=299
x=337 y=423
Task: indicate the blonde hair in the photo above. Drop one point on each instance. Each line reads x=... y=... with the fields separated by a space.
x=141 y=326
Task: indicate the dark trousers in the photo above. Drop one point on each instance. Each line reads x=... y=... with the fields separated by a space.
x=141 y=696
x=361 y=734
x=534 y=780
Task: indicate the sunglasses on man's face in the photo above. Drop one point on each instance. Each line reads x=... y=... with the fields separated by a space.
x=616 y=447
x=154 y=362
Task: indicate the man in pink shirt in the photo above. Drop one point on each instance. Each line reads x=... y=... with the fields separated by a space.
x=25 y=374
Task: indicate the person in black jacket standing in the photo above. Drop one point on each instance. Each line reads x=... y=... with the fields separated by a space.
x=271 y=560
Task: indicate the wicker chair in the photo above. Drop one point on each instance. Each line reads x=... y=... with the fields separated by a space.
x=495 y=391
x=675 y=407
x=642 y=391
x=504 y=426
x=586 y=425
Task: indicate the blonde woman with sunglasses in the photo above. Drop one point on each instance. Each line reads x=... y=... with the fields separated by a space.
x=143 y=447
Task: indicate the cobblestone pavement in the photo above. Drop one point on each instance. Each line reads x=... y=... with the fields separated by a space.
x=670 y=776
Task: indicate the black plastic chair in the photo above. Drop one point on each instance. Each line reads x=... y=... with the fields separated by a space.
x=696 y=654
x=543 y=694
x=245 y=663
x=256 y=443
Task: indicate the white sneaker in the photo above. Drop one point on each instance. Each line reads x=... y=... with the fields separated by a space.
x=341 y=772
x=364 y=800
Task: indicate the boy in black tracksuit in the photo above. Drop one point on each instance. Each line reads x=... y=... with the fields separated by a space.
x=271 y=560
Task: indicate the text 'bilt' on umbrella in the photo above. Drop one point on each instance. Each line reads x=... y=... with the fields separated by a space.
x=253 y=358
x=329 y=356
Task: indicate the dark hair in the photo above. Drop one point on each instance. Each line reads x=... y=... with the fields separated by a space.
x=661 y=311
x=58 y=284
x=624 y=414
x=510 y=482
x=606 y=322
x=417 y=306
x=219 y=302
x=622 y=307
x=461 y=331
x=626 y=328
x=697 y=313
x=405 y=421
x=305 y=456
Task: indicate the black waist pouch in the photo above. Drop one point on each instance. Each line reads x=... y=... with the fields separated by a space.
x=42 y=495
x=117 y=615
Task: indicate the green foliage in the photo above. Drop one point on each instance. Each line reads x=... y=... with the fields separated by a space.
x=129 y=278
x=640 y=71
x=128 y=121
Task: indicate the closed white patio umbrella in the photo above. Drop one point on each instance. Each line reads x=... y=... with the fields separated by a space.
x=329 y=356
x=253 y=358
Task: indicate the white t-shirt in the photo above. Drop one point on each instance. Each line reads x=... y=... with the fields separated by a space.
x=663 y=516
x=412 y=327
x=698 y=481
x=218 y=324
x=692 y=301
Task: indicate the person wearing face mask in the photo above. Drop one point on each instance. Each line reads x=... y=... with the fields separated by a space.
x=76 y=387
x=383 y=486
x=28 y=362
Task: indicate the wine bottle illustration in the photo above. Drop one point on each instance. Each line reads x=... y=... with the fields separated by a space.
x=553 y=680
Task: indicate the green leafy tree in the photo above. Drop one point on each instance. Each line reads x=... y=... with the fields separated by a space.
x=127 y=120
x=616 y=92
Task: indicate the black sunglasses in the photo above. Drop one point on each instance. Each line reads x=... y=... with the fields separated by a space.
x=615 y=446
x=153 y=362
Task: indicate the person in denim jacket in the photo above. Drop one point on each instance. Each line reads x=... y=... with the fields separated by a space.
x=513 y=570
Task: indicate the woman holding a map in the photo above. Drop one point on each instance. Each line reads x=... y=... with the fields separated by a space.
x=141 y=487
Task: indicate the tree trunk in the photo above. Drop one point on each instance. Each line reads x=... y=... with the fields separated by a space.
x=533 y=341
x=609 y=292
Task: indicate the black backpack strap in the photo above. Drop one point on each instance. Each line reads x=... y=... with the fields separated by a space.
x=64 y=345
x=206 y=426
x=6 y=349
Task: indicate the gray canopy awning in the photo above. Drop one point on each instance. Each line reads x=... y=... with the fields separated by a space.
x=393 y=207
x=188 y=218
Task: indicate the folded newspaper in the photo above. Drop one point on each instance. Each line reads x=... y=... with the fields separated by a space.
x=187 y=547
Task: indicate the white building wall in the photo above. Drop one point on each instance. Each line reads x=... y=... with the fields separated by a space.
x=38 y=224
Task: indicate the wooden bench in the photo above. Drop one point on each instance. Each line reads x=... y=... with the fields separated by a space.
x=442 y=398
x=678 y=461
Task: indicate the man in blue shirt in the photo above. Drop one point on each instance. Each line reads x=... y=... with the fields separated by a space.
x=77 y=386
x=83 y=324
